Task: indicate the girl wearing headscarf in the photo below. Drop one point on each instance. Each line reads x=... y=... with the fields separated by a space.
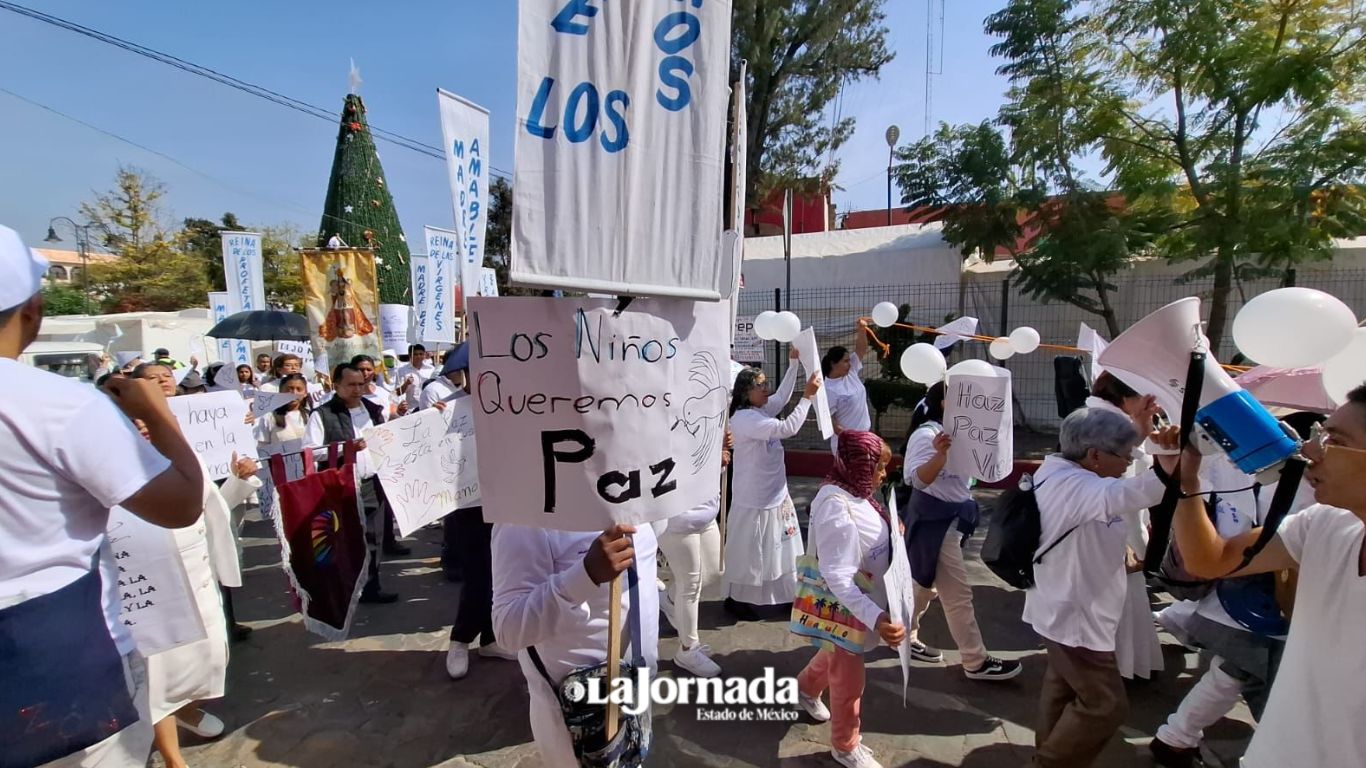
x=763 y=540
x=940 y=518
x=850 y=532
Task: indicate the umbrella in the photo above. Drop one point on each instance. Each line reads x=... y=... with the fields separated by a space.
x=262 y=325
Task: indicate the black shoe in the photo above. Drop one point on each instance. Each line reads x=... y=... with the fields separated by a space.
x=925 y=654
x=378 y=598
x=396 y=549
x=1168 y=756
x=995 y=669
x=240 y=632
x=741 y=611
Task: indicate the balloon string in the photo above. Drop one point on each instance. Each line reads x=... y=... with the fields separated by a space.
x=887 y=349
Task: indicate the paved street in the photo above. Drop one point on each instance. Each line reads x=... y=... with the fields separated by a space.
x=382 y=698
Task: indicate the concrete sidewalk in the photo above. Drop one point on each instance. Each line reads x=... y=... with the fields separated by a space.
x=382 y=698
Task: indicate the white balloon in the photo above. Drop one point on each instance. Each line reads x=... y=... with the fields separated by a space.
x=1024 y=340
x=785 y=327
x=1001 y=348
x=1346 y=370
x=1293 y=327
x=885 y=313
x=923 y=364
x=973 y=368
x=763 y=324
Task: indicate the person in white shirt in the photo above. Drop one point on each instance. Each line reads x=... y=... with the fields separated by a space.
x=844 y=390
x=286 y=429
x=393 y=408
x=1317 y=706
x=551 y=591
x=850 y=533
x=763 y=539
x=1080 y=585
x=342 y=419
x=282 y=366
x=410 y=376
x=263 y=368
x=67 y=455
x=1138 y=651
x=940 y=516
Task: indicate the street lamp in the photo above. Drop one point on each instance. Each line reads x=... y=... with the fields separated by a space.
x=893 y=133
x=82 y=247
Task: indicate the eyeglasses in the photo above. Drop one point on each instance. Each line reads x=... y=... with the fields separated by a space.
x=1320 y=441
x=1129 y=459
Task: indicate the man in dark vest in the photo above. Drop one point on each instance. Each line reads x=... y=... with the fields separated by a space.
x=344 y=418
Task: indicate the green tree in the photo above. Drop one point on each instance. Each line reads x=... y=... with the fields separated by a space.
x=281 y=266
x=62 y=299
x=1246 y=111
x=202 y=240
x=498 y=239
x=800 y=53
x=151 y=273
x=359 y=207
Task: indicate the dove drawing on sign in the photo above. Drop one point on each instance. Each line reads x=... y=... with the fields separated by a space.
x=705 y=410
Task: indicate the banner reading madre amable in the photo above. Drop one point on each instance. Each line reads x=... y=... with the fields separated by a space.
x=620 y=156
x=588 y=418
x=465 y=128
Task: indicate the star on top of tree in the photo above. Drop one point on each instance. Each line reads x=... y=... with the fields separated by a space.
x=353 y=80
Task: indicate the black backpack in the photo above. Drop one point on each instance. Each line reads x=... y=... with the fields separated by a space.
x=1013 y=537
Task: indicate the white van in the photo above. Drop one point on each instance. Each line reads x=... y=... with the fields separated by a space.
x=66 y=358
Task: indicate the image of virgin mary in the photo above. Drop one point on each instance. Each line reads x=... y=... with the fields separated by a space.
x=345 y=319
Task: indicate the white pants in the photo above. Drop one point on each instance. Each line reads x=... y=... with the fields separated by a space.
x=694 y=561
x=1213 y=697
x=547 y=724
x=952 y=587
x=130 y=746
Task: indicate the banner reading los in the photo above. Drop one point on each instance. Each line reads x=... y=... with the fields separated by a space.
x=342 y=302
x=620 y=156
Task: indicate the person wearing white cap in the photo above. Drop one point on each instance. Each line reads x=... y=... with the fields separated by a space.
x=67 y=454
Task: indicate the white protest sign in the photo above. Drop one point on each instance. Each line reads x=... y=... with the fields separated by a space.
x=218 y=306
x=620 y=156
x=954 y=332
x=488 y=281
x=214 y=424
x=303 y=349
x=442 y=251
x=317 y=395
x=265 y=403
x=1095 y=344
x=242 y=266
x=427 y=463
x=979 y=417
x=900 y=593
x=393 y=325
x=587 y=417
x=155 y=597
x=465 y=129
x=748 y=347
x=811 y=361
x=196 y=350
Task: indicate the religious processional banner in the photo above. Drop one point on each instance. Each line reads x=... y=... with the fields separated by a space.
x=342 y=302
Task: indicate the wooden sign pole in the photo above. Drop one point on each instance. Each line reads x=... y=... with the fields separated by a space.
x=613 y=656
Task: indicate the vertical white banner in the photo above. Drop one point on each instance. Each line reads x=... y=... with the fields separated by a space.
x=979 y=417
x=246 y=282
x=620 y=156
x=442 y=252
x=218 y=306
x=420 y=267
x=393 y=326
x=465 y=128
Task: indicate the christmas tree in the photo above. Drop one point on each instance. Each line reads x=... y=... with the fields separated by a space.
x=359 y=208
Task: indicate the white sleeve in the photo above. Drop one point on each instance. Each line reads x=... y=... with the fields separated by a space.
x=765 y=427
x=1089 y=498
x=1295 y=530
x=236 y=491
x=428 y=397
x=114 y=466
x=841 y=555
x=919 y=451
x=527 y=606
x=855 y=364
x=779 y=400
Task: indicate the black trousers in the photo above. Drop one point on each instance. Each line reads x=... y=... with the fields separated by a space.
x=376 y=508
x=471 y=538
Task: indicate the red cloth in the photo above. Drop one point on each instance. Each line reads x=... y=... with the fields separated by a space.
x=856 y=465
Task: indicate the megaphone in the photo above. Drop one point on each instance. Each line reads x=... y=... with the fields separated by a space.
x=1154 y=357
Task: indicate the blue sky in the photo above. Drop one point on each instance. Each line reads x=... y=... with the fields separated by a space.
x=269 y=165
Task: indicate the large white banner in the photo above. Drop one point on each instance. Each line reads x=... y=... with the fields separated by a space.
x=811 y=361
x=587 y=417
x=620 y=156
x=442 y=275
x=214 y=424
x=465 y=127
x=218 y=306
x=246 y=282
x=427 y=463
x=155 y=596
x=420 y=268
x=979 y=417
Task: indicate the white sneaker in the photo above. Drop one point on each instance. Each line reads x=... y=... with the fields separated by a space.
x=859 y=757
x=496 y=651
x=666 y=605
x=209 y=727
x=458 y=660
x=814 y=707
x=697 y=661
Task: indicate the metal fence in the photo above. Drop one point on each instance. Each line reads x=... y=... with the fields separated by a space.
x=1001 y=307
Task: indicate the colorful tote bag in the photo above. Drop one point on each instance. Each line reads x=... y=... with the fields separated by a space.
x=818 y=615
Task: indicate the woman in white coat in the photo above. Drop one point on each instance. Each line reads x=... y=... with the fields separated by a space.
x=763 y=540
x=1138 y=650
x=179 y=678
